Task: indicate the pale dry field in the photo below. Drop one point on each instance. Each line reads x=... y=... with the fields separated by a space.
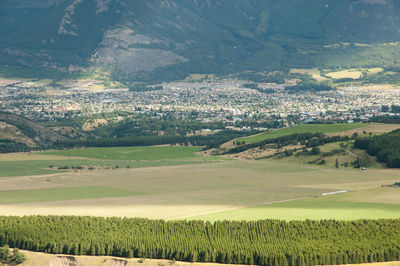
x=350 y=73
x=92 y=125
x=373 y=195
x=314 y=72
x=374 y=129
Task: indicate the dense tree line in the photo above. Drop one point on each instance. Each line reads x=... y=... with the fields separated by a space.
x=278 y=77
x=7 y=146
x=255 y=86
x=142 y=88
x=386 y=147
x=266 y=242
x=309 y=87
x=26 y=129
x=143 y=125
x=393 y=109
x=141 y=131
x=210 y=141
x=309 y=140
x=387 y=119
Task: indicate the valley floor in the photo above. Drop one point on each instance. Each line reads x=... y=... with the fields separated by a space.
x=193 y=187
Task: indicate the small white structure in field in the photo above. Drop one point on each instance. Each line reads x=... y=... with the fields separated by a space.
x=334 y=192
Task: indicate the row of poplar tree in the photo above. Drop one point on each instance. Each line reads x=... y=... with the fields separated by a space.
x=266 y=242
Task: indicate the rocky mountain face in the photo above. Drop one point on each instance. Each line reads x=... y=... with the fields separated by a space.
x=167 y=39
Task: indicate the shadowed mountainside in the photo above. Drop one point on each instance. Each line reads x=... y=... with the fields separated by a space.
x=168 y=39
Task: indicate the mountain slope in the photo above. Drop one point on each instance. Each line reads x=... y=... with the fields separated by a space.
x=167 y=39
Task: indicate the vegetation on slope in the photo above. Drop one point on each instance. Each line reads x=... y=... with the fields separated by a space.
x=137 y=131
x=304 y=128
x=386 y=147
x=224 y=37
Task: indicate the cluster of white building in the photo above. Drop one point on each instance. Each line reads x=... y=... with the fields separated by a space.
x=206 y=101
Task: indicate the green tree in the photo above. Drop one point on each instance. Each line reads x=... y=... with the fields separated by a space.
x=315 y=151
x=19 y=257
x=5 y=254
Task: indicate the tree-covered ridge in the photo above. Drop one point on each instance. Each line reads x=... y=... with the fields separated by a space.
x=386 y=147
x=140 y=130
x=266 y=242
x=308 y=140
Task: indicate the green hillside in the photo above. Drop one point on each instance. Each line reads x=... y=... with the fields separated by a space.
x=305 y=128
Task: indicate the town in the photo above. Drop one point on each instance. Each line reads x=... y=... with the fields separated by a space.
x=225 y=100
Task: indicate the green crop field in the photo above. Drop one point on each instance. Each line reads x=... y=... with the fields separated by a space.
x=42 y=167
x=44 y=163
x=314 y=209
x=132 y=153
x=305 y=128
x=64 y=193
x=24 y=168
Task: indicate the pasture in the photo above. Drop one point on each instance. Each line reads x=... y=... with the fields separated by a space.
x=52 y=162
x=350 y=74
x=304 y=128
x=62 y=193
x=315 y=209
x=46 y=167
x=131 y=153
x=179 y=184
x=315 y=73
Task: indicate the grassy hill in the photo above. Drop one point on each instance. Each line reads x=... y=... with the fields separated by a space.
x=304 y=128
x=328 y=145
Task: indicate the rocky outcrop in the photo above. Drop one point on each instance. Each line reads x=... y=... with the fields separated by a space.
x=127 y=51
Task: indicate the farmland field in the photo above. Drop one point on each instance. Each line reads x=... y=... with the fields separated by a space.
x=314 y=209
x=181 y=184
x=304 y=128
x=63 y=193
x=53 y=162
x=350 y=73
x=131 y=153
x=43 y=167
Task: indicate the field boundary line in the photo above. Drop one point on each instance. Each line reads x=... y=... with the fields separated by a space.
x=237 y=208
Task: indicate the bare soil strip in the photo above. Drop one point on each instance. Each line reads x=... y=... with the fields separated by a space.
x=43 y=259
